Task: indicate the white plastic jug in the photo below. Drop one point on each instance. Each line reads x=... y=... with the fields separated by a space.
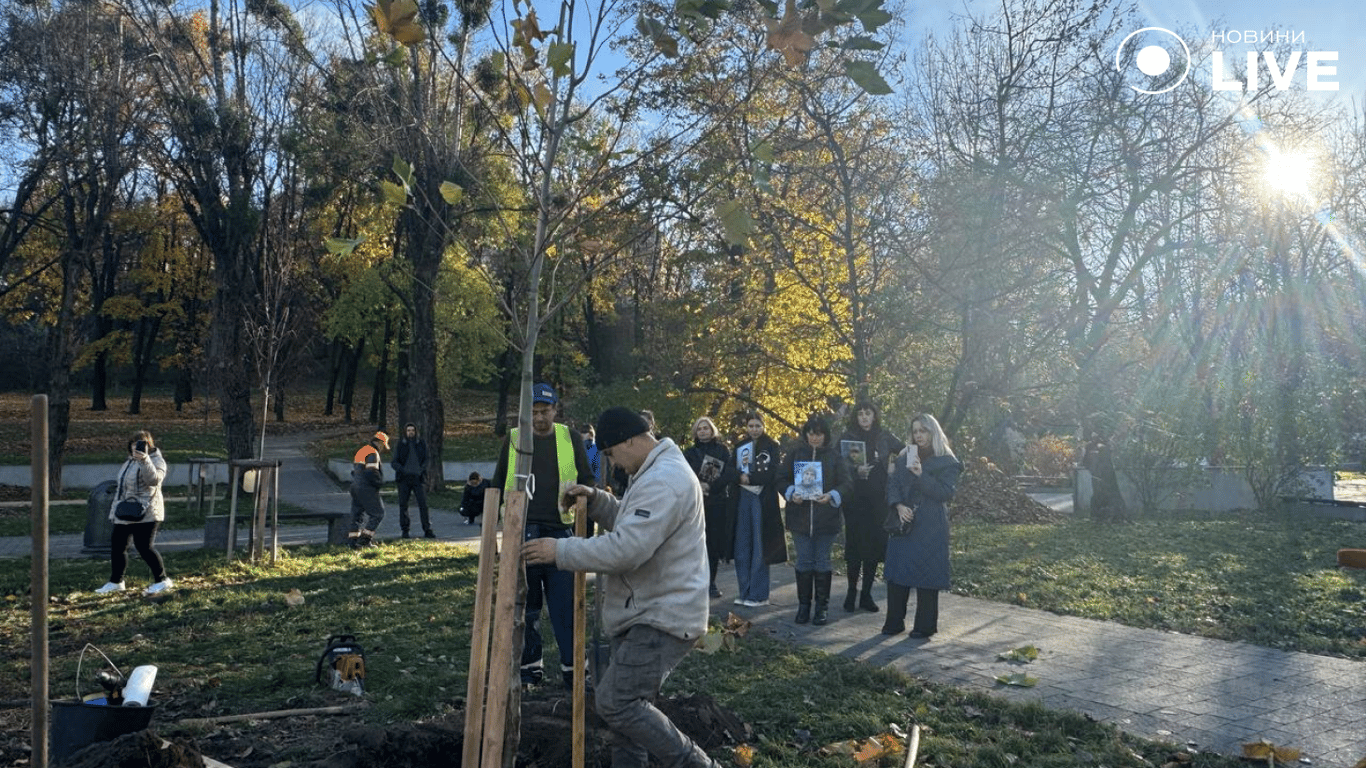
x=139 y=686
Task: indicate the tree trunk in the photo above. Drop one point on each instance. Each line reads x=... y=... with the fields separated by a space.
x=60 y=354
x=99 y=382
x=423 y=247
x=230 y=370
x=379 y=398
x=335 y=359
x=349 y=384
x=184 y=388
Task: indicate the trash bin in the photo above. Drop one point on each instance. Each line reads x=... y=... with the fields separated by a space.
x=76 y=725
x=98 y=529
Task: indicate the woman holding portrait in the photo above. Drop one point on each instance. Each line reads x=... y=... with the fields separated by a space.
x=710 y=461
x=868 y=448
x=816 y=484
x=759 y=538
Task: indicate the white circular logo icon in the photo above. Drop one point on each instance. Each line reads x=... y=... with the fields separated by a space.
x=1154 y=59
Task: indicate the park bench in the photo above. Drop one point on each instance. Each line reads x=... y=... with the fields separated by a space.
x=216 y=526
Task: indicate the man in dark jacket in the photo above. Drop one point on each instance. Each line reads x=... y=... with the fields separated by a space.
x=410 y=474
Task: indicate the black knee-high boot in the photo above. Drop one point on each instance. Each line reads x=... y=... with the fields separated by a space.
x=897 y=597
x=926 y=613
x=866 y=597
x=805 y=580
x=823 y=579
x=850 y=599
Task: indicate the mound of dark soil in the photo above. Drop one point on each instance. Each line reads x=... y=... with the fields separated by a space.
x=144 y=749
x=546 y=736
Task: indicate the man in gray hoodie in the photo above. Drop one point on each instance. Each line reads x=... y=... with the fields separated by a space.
x=654 y=556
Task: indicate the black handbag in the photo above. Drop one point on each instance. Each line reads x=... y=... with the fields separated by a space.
x=129 y=510
x=895 y=526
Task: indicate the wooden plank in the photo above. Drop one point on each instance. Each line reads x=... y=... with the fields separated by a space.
x=475 y=690
x=580 y=632
x=506 y=644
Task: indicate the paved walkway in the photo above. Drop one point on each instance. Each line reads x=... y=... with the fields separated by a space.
x=1210 y=694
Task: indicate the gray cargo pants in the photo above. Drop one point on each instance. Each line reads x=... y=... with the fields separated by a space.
x=642 y=657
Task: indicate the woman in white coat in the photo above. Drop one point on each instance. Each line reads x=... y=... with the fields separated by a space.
x=139 y=481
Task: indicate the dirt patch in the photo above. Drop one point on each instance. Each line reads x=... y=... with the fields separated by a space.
x=144 y=749
x=344 y=741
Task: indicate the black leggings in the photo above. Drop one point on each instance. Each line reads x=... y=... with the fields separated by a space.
x=142 y=534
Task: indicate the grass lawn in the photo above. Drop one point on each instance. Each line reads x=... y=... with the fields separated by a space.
x=1267 y=578
x=226 y=642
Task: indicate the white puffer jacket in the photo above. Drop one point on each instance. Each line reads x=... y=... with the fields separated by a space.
x=141 y=480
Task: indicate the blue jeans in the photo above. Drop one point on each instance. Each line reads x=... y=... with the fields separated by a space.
x=751 y=569
x=813 y=552
x=642 y=657
x=548 y=587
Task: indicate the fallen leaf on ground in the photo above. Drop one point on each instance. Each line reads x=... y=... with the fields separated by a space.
x=1024 y=654
x=1018 y=679
x=1263 y=749
x=866 y=750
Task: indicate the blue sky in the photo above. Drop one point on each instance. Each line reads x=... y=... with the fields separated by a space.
x=1328 y=25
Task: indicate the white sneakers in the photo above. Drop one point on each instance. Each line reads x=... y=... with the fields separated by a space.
x=160 y=586
x=117 y=586
x=751 y=603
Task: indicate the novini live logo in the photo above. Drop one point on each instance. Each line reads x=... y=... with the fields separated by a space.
x=1155 y=60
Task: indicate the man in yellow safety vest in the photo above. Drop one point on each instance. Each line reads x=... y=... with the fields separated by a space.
x=558 y=460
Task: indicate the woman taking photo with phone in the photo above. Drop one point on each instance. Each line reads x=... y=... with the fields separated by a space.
x=918 y=493
x=137 y=512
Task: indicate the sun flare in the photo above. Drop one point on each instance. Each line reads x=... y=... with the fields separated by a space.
x=1289 y=173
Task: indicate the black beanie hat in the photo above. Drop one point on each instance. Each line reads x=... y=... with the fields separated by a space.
x=617 y=425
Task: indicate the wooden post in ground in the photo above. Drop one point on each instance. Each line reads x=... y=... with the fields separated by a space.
x=475 y=691
x=580 y=631
x=503 y=690
x=38 y=585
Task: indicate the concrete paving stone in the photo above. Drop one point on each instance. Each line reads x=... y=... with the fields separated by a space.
x=1339 y=757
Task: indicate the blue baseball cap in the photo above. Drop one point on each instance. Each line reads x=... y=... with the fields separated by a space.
x=543 y=393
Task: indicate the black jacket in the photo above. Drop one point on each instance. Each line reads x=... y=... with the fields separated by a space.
x=809 y=517
x=401 y=455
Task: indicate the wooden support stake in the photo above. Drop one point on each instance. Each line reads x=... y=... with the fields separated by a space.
x=38 y=583
x=580 y=632
x=235 y=478
x=475 y=690
x=506 y=644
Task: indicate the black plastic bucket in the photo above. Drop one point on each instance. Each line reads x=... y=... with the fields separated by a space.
x=76 y=725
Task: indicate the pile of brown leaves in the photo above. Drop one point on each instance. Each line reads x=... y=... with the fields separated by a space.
x=987 y=494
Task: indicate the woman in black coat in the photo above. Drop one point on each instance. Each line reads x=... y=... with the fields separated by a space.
x=816 y=485
x=918 y=492
x=710 y=461
x=868 y=449
x=759 y=538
